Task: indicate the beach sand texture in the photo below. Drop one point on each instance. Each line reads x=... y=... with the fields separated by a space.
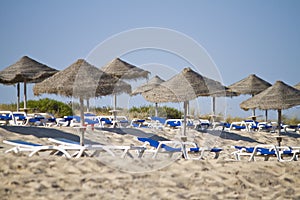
x=54 y=177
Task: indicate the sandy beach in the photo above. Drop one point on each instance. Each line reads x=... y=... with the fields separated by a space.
x=54 y=177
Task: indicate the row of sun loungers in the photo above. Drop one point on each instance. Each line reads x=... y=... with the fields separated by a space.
x=154 y=148
x=45 y=119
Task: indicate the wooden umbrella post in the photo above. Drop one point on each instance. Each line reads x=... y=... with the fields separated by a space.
x=81 y=121
x=18 y=97
x=25 y=96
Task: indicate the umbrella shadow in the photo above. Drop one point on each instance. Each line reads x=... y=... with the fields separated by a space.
x=231 y=136
x=291 y=134
x=134 y=132
x=40 y=132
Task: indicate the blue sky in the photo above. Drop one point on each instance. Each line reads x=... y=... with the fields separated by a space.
x=241 y=37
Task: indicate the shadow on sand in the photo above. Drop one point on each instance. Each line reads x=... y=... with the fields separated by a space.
x=134 y=132
x=41 y=132
x=231 y=136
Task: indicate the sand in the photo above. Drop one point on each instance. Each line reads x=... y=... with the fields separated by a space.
x=54 y=177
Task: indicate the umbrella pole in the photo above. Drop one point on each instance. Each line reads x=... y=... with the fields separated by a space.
x=185 y=104
x=253 y=112
x=81 y=121
x=25 y=96
x=183 y=137
x=266 y=114
x=87 y=105
x=213 y=105
x=115 y=111
x=279 y=121
x=156 y=108
x=18 y=97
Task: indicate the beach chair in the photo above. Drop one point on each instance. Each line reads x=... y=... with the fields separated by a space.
x=95 y=149
x=19 y=119
x=235 y=126
x=34 y=149
x=202 y=124
x=266 y=126
x=267 y=151
x=139 y=123
x=189 y=150
x=5 y=117
x=156 y=122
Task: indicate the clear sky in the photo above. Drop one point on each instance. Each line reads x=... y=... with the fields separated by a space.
x=241 y=37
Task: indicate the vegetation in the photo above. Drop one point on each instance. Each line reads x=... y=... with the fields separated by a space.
x=292 y=121
x=146 y=111
x=57 y=108
x=231 y=119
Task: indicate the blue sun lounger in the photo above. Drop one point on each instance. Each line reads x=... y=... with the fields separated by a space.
x=96 y=148
x=267 y=151
x=33 y=148
x=183 y=148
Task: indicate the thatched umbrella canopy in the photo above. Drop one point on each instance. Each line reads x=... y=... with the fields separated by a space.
x=25 y=70
x=280 y=96
x=152 y=83
x=84 y=81
x=297 y=86
x=123 y=70
x=182 y=87
x=250 y=85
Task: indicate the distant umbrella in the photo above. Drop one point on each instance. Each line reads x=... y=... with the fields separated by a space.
x=124 y=71
x=297 y=86
x=152 y=83
x=250 y=85
x=26 y=70
x=182 y=87
x=278 y=97
x=82 y=80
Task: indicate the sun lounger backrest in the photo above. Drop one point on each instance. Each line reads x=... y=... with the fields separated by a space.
x=22 y=142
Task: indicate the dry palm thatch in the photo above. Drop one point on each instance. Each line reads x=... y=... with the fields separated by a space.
x=83 y=80
x=26 y=69
x=152 y=83
x=184 y=86
x=297 y=86
x=124 y=70
x=279 y=96
x=250 y=85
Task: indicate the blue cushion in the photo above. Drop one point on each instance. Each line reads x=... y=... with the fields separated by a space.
x=24 y=142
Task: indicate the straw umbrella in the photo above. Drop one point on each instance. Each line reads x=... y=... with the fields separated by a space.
x=278 y=97
x=82 y=80
x=182 y=87
x=250 y=85
x=26 y=70
x=125 y=71
x=152 y=83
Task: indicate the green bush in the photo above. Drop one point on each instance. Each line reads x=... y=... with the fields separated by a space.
x=291 y=121
x=146 y=111
x=57 y=108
